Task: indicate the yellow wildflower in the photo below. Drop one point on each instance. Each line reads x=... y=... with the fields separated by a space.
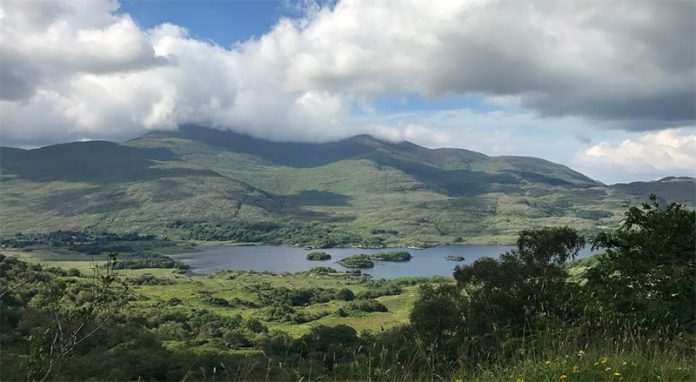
x=607 y=369
x=547 y=363
x=604 y=360
x=564 y=377
x=519 y=380
x=576 y=369
x=617 y=375
x=581 y=353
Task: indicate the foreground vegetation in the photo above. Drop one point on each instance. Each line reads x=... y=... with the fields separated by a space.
x=531 y=315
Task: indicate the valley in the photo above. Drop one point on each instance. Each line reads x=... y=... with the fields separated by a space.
x=347 y=190
x=213 y=254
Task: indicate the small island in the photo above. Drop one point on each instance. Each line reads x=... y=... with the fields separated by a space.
x=358 y=261
x=318 y=256
x=392 y=256
x=455 y=258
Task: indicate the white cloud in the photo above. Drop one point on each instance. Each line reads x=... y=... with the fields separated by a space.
x=649 y=156
x=48 y=42
x=76 y=69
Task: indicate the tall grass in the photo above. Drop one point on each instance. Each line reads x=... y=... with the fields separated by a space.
x=563 y=354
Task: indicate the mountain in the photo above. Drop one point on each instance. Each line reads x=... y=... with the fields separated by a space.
x=453 y=172
x=392 y=192
x=677 y=189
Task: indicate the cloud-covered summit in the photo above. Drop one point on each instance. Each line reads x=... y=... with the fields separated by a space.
x=73 y=70
x=79 y=70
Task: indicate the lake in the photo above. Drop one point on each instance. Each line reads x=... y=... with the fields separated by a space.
x=268 y=258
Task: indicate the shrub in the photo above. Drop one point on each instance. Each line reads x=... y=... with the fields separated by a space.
x=217 y=301
x=384 y=290
x=647 y=272
x=318 y=256
x=174 y=301
x=321 y=270
x=148 y=279
x=338 y=340
x=345 y=294
x=367 y=306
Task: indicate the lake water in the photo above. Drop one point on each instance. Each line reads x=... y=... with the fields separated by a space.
x=425 y=262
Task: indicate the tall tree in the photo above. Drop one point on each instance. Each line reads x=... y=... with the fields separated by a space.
x=647 y=274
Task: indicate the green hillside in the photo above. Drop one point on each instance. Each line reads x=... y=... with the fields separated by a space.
x=678 y=189
x=387 y=193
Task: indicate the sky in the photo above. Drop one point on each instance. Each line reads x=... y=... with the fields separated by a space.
x=605 y=87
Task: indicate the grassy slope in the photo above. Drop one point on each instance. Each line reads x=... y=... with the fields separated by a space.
x=364 y=193
x=123 y=188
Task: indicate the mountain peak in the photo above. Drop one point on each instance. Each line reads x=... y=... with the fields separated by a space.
x=454 y=171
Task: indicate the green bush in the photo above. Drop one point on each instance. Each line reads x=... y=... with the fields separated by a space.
x=148 y=279
x=321 y=270
x=646 y=274
x=385 y=290
x=345 y=294
x=339 y=340
x=367 y=306
x=318 y=256
x=295 y=297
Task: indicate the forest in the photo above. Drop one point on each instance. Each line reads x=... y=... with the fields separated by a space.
x=533 y=314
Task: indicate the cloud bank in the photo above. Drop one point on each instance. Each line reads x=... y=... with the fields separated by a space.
x=76 y=69
x=649 y=156
x=72 y=70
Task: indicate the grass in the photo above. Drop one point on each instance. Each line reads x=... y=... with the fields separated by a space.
x=242 y=284
x=591 y=366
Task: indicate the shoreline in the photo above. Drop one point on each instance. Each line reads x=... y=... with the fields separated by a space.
x=202 y=245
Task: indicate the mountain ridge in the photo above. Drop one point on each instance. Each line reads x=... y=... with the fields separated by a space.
x=359 y=185
x=359 y=147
